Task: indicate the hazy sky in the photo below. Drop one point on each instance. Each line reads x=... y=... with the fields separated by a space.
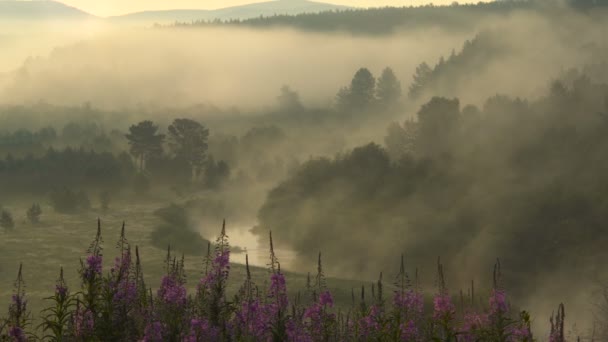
x=114 y=7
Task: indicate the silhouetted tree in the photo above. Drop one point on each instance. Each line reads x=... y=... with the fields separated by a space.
x=400 y=140
x=388 y=90
x=188 y=141
x=34 y=212
x=289 y=100
x=437 y=121
x=216 y=172
x=360 y=94
x=145 y=141
x=362 y=88
x=421 y=78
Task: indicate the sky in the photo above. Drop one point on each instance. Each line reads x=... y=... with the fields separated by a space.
x=117 y=7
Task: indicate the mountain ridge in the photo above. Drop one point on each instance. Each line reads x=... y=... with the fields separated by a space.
x=40 y=10
x=253 y=10
x=56 y=10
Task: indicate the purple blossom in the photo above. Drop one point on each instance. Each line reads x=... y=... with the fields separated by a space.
x=498 y=302
x=370 y=324
x=410 y=303
x=93 y=267
x=19 y=304
x=444 y=309
x=278 y=290
x=171 y=291
x=318 y=317
x=202 y=330
x=326 y=299
x=409 y=331
x=520 y=333
x=296 y=331
x=17 y=334
x=61 y=291
x=473 y=322
x=83 y=322
x=252 y=320
x=154 y=332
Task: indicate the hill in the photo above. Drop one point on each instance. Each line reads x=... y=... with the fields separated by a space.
x=39 y=10
x=265 y=9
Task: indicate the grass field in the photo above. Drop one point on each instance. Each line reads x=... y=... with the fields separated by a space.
x=61 y=240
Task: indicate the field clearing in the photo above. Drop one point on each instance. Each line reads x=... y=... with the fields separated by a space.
x=61 y=240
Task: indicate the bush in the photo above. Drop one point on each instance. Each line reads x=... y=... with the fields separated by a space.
x=177 y=232
x=34 y=212
x=6 y=220
x=66 y=201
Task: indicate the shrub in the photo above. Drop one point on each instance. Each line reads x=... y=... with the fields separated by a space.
x=66 y=201
x=33 y=213
x=177 y=232
x=6 y=220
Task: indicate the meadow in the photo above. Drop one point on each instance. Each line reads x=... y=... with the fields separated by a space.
x=122 y=289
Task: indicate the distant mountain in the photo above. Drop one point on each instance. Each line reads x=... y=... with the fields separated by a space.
x=289 y=7
x=39 y=10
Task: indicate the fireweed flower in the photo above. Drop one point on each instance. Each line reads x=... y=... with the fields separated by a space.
x=171 y=291
x=411 y=303
x=93 y=267
x=154 y=332
x=202 y=330
x=498 y=302
x=472 y=324
x=326 y=299
x=296 y=331
x=409 y=331
x=444 y=309
x=370 y=324
x=83 y=322
x=319 y=318
x=278 y=291
x=61 y=291
x=17 y=334
x=252 y=320
x=520 y=333
x=123 y=284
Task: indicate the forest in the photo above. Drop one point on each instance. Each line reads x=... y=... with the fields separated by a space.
x=422 y=173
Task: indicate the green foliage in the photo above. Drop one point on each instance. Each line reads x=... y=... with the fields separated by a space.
x=178 y=232
x=449 y=75
x=387 y=20
x=361 y=93
x=388 y=90
x=67 y=201
x=188 y=141
x=515 y=174
x=145 y=142
x=68 y=167
x=6 y=219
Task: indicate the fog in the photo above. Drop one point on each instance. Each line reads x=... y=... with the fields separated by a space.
x=469 y=144
x=224 y=67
